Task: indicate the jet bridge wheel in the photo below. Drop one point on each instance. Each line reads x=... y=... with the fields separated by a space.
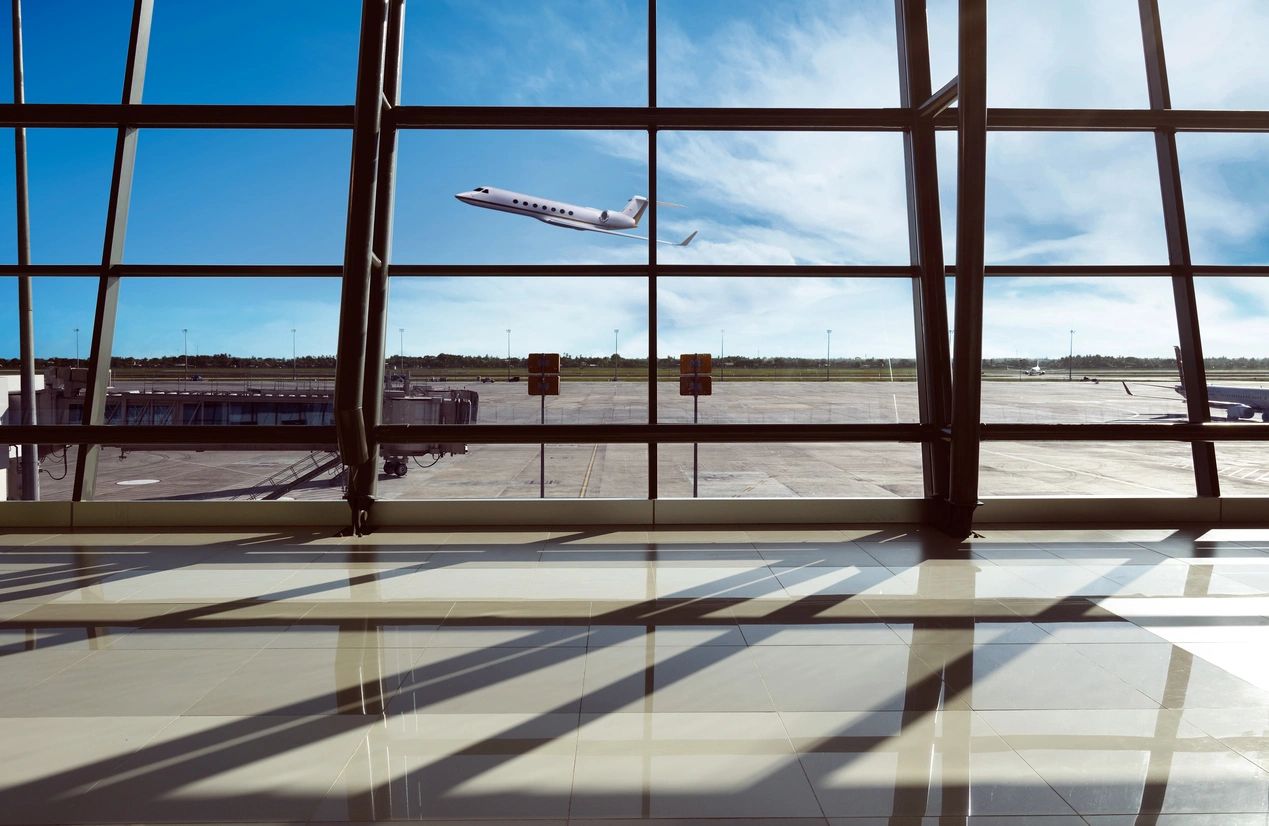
x=395 y=467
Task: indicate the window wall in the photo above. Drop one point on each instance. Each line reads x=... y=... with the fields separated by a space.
x=743 y=180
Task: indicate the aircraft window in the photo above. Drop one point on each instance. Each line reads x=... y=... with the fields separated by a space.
x=552 y=209
x=514 y=201
x=535 y=206
x=570 y=212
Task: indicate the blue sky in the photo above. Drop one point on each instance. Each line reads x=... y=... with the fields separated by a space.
x=218 y=196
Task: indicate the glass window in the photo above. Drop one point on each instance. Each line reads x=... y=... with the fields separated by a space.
x=1224 y=178
x=239 y=196
x=532 y=53
x=1130 y=469
x=600 y=169
x=789 y=350
x=783 y=198
x=69 y=174
x=1121 y=331
x=1214 y=53
x=776 y=53
x=74 y=50
x=1073 y=198
x=1076 y=53
x=777 y=471
x=285 y=51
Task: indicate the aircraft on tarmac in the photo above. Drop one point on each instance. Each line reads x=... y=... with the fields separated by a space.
x=1034 y=371
x=569 y=216
x=1237 y=402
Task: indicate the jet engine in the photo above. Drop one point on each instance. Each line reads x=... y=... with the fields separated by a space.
x=603 y=217
x=1238 y=411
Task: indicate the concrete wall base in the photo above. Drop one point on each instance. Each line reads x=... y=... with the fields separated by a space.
x=65 y=516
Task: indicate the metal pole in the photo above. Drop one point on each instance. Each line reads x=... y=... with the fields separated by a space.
x=615 y=355
x=653 y=212
x=295 y=378
x=828 y=356
x=970 y=218
x=401 y=350
x=76 y=346
x=542 y=456
x=1070 y=358
x=1206 y=481
x=696 y=409
x=185 y=350
x=508 y=354
x=26 y=312
x=112 y=251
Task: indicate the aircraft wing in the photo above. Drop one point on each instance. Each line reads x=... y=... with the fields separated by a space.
x=580 y=225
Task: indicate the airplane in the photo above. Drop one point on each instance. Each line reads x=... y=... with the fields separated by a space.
x=1237 y=402
x=569 y=216
x=1034 y=371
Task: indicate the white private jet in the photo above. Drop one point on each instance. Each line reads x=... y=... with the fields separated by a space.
x=1237 y=402
x=1034 y=371
x=569 y=216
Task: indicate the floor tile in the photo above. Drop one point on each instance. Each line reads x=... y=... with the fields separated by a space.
x=701 y=678
x=841 y=677
x=493 y=680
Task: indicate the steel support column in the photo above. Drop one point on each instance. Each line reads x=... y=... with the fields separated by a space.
x=360 y=264
x=26 y=313
x=925 y=242
x=112 y=250
x=652 y=248
x=385 y=194
x=1194 y=378
x=971 y=190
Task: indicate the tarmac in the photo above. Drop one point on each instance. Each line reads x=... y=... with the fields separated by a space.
x=728 y=470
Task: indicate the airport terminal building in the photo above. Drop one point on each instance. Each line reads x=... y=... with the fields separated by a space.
x=883 y=441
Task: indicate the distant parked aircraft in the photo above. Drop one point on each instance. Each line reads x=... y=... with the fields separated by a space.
x=1237 y=402
x=1034 y=371
x=569 y=216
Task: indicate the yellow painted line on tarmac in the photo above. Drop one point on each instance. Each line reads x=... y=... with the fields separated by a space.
x=586 y=479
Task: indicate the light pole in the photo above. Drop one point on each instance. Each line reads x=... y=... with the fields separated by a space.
x=185 y=332
x=401 y=350
x=828 y=355
x=1070 y=359
x=76 y=346
x=615 y=352
x=722 y=351
x=295 y=379
x=508 y=354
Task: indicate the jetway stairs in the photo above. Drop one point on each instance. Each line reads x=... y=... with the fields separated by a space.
x=292 y=476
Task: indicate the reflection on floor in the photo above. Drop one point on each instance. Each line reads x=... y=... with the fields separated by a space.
x=859 y=677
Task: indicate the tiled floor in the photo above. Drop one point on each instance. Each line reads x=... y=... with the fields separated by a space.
x=779 y=676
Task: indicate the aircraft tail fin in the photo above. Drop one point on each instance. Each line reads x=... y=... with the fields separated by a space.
x=1180 y=368
x=635 y=207
x=687 y=240
x=1126 y=390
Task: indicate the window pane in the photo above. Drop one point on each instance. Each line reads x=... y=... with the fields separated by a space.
x=515 y=472
x=1076 y=53
x=1224 y=178
x=783 y=198
x=1133 y=469
x=1214 y=53
x=513 y=53
x=238 y=197
x=74 y=50
x=772 y=471
x=782 y=53
x=1124 y=331
x=8 y=200
x=1073 y=198
x=1243 y=469
x=69 y=177
x=475 y=334
x=775 y=360
x=284 y=51
x=538 y=173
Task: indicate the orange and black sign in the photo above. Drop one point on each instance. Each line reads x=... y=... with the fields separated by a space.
x=696 y=364
x=696 y=385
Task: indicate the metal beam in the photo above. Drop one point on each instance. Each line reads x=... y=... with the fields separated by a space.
x=970 y=217
x=653 y=464
x=324 y=435
x=26 y=311
x=112 y=250
x=925 y=244
x=1194 y=375
x=940 y=100
x=367 y=477
x=181 y=116
x=359 y=261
